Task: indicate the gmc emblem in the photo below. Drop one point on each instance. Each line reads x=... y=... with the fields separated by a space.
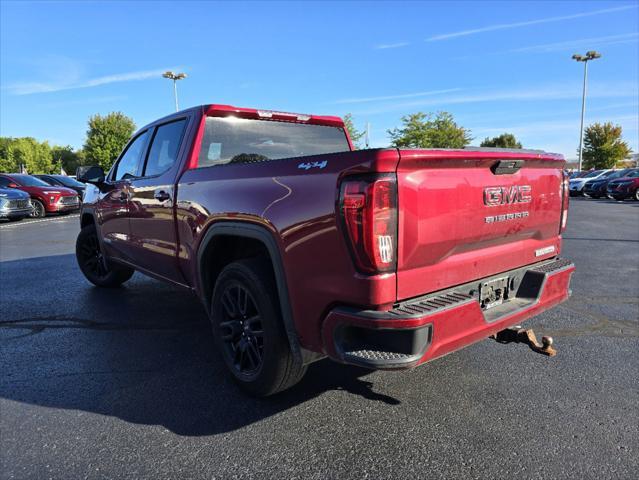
x=494 y=196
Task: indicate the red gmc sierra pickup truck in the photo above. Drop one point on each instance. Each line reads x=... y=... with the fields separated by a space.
x=301 y=247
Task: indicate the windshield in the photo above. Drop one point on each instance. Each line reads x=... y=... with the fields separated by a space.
x=608 y=174
x=68 y=181
x=632 y=174
x=593 y=174
x=240 y=140
x=29 y=181
x=619 y=173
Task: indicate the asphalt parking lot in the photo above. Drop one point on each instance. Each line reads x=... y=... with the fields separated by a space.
x=125 y=383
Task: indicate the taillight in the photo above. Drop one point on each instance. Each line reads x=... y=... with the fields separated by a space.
x=368 y=207
x=565 y=196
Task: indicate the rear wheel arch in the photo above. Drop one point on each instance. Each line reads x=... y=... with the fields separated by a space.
x=226 y=242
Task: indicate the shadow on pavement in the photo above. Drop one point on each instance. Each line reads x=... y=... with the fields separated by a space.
x=142 y=353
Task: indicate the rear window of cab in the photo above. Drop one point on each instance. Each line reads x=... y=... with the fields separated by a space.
x=240 y=140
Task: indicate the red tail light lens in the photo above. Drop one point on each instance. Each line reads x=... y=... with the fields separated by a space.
x=368 y=207
x=565 y=196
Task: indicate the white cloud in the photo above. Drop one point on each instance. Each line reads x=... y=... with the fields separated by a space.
x=29 y=88
x=395 y=97
x=569 y=44
x=392 y=45
x=538 y=93
x=504 y=26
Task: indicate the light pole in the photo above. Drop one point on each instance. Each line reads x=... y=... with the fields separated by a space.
x=590 y=55
x=175 y=77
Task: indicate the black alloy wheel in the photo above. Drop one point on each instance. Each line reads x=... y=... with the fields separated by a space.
x=94 y=265
x=241 y=330
x=249 y=331
x=90 y=256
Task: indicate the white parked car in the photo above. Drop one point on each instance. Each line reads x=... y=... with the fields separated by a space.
x=577 y=184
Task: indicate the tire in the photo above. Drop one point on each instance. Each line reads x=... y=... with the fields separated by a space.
x=91 y=261
x=248 y=329
x=636 y=195
x=38 y=209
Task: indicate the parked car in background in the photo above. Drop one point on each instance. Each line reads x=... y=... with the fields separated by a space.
x=14 y=204
x=597 y=188
x=64 y=181
x=44 y=198
x=576 y=185
x=624 y=187
x=577 y=174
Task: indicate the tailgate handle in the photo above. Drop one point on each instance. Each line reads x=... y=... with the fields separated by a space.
x=503 y=167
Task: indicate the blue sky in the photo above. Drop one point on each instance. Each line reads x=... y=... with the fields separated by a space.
x=497 y=66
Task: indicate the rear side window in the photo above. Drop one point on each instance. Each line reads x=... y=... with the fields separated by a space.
x=239 y=140
x=164 y=148
x=129 y=163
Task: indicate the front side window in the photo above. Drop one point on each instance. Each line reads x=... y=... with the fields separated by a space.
x=129 y=163
x=164 y=148
x=240 y=140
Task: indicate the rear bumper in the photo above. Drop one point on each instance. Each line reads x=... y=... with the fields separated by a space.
x=429 y=327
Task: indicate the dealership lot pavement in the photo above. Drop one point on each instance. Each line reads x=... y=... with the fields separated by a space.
x=124 y=383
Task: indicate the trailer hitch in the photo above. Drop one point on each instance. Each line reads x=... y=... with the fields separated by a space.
x=527 y=336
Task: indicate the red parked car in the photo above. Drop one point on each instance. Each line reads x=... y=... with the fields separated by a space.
x=44 y=198
x=625 y=187
x=300 y=247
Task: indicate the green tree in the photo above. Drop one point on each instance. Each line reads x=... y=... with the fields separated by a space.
x=603 y=146
x=25 y=151
x=66 y=158
x=425 y=130
x=106 y=137
x=505 y=140
x=356 y=135
x=6 y=161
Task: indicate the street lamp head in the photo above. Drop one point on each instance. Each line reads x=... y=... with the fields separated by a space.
x=593 y=54
x=577 y=57
x=174 y=76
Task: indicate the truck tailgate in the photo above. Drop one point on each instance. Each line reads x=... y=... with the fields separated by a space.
x=469 y=214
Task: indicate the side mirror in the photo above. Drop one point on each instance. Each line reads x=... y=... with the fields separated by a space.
x=93 y=174
x=12 y=185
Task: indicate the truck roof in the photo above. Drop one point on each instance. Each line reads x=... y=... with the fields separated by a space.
x=219 y=110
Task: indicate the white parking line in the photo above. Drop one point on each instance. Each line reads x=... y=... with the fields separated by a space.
x=22 y=223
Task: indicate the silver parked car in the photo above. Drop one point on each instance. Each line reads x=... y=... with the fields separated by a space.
x=14 y=204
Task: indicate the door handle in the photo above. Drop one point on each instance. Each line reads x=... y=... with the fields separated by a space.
x=161 y=195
